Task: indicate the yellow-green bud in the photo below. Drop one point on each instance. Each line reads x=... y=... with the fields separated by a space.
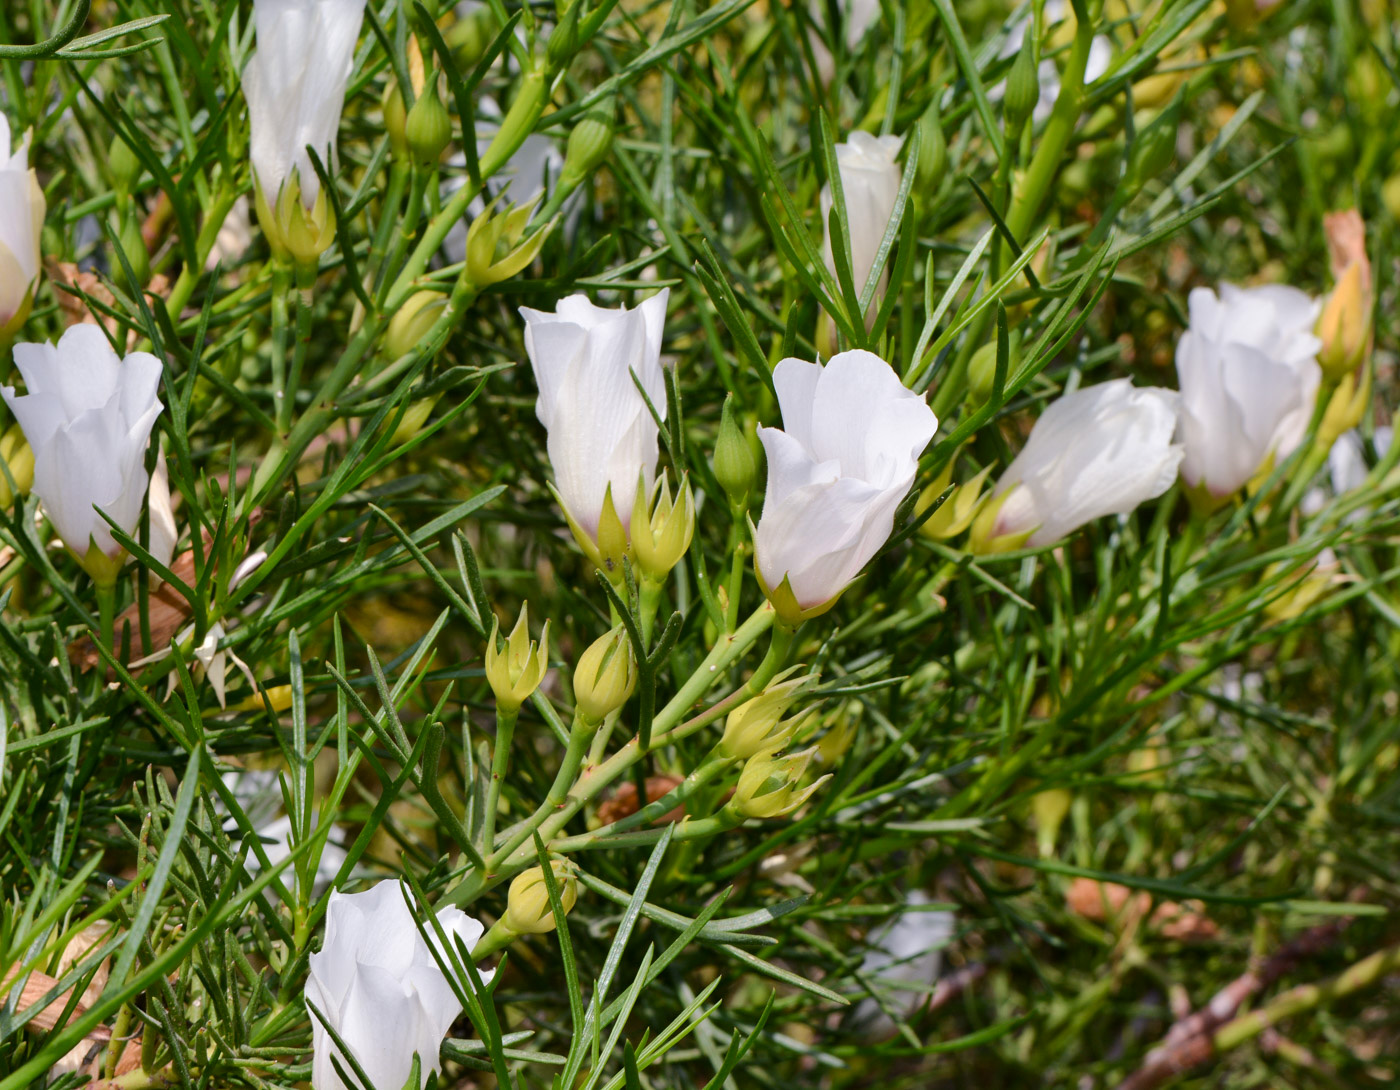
x=1022 y=86
x=769 y=784
x=610 y=548
x=589 y=144
x=661 y=537
x=1344 y=326
x=1390 y=195
x=605 y=676
x=933 y=150
x=133 y=245
x=528 y=911
x=125 y=168
x=18 y=457
x=396 y=120
x=412 y=421
x=982 y=368
x=758 y=724
x=563 y=40
x=734 y=464
x=468 y=37
x=494 y=248
x=428 y=129
x=517 y=670
x=1153 y=148
x=411 y=322
x=1049 y=809
x=958 y=510
x=1346 y=408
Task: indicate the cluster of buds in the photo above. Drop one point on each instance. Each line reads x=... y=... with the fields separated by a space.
x=515 y=671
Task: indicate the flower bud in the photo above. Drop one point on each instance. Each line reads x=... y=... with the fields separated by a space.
x=494 y=248
x=528 y=911
x=18 y=458
x=958 y=510
x=933 y=150
x=125 y=168
x=757 y=725
x=412 y=321
x=660 y=539
x=589 y=144
x=412 y=421
x=982 y=368
x=469 y=36
x=1306 y=584
x=1153 y=148
x=516 y=671
x=1344 y=327
x=396 y=120
x=1022 y=87
x=525 y=110
x=563 y=40
x=428 y=129
x=768 y=785
x=133 y=245
x=1049 y=809
x=1346 y=408
x=734 y=463
x=605 y=676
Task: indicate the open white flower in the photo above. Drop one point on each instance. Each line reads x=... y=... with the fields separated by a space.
x=295 y=89
x=1249 y=377
x=601 y=435
x=21 y=220
x=87 y=417
x=844 y=458
x=870 y=178
x=377 y=982
x=1098 y=451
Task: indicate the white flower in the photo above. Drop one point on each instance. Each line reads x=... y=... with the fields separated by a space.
x=87 y=417
x=295 y=88
x=844 y=458
x=860 y=16
x=164 y=533
x=601 y=432
x=870 y=178
x=21 y=220
x=905 y=955
x=1249 y=376
x=1098 y=451
x=276 y=837
x=376 y=981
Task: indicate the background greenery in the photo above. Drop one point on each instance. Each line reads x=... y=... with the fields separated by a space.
x=1214 y=741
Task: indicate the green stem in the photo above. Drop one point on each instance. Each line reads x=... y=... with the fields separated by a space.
x=281 y=293
x=500 y=763
x=106 y=615
x=418 y=187
x=1364 y=974
x=306 y=280
x=558 y=809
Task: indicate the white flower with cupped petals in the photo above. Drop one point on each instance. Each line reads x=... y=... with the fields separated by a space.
x=87 y=417
x=376 y=981
x=1249 y=376
x=870 y=178
x=1095 y=452
x=845 y=456
x=21 y=221
x=295 y=88
x=601 y=433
